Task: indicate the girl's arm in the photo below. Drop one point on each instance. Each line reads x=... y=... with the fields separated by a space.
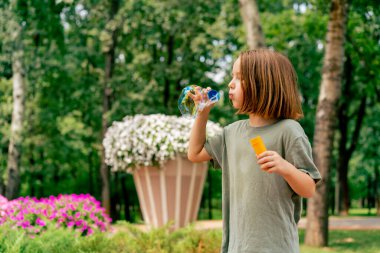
x=197 y=152
x=300 y=182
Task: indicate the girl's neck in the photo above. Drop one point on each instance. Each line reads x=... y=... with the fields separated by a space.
x=258 y=121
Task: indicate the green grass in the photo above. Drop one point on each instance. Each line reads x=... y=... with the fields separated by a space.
x=345 y=241
x=352 y=212
x=362 y=212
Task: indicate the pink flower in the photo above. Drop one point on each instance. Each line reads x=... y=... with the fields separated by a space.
x=24 y=224
x=3 y=200
x=90 y=231
x=53 y=215
x=40 y=222
x=31 y=214
x=77 y=215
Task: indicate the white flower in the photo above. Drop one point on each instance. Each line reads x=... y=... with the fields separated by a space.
x=148 y=140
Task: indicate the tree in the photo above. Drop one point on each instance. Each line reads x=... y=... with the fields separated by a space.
x=358 y=88
x=14 y=150
x=109 y=53
x=251 y=19
x=330 y=90
x=344 y=152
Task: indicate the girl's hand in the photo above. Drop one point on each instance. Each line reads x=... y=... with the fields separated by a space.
x=272 y=162
x=199 y=96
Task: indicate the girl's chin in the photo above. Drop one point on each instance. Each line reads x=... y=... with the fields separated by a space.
x=235 y=105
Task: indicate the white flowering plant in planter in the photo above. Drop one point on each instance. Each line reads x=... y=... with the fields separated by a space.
x=148 y=140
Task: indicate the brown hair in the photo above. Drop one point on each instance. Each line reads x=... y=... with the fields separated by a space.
x=269 y=84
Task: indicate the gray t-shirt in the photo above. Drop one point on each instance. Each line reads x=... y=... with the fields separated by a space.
x=260 y=210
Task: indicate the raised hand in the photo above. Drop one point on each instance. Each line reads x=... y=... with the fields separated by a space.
x=200 y=98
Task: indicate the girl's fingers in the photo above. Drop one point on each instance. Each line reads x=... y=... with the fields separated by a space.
x=267 y=166
x=264 y=154
x=266 y=159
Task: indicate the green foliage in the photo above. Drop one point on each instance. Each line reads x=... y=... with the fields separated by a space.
x=161 y=46
x=302 y=40
x=129 y=238
x=126 y=238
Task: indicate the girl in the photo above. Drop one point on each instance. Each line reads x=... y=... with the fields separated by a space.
x=261 y=193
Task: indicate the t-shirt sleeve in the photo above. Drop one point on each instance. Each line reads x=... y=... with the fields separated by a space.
x=300 y=155
x=214 y=146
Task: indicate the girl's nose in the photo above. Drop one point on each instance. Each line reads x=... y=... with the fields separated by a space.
x=230 y=85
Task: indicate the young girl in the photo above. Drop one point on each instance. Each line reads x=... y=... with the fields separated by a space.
x=261 y=193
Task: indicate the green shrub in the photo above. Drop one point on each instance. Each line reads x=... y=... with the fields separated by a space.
x=125 y=238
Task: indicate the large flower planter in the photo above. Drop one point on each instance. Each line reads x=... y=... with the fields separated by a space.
x=152 y=148
x=170 y=193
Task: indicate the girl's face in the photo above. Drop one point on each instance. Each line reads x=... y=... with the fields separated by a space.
x=235 y=93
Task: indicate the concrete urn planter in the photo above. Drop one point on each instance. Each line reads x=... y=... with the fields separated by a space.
x=170 y=193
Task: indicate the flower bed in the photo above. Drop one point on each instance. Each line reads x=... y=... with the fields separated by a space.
x=148 y=140
x=82 y=213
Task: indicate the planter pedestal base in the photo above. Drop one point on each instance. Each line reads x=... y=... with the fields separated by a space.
x=170 y=193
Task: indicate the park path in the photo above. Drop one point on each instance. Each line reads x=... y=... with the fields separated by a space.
x=335 y=223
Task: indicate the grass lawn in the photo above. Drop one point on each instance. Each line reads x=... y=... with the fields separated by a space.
x=344 y=241
x=362 y=212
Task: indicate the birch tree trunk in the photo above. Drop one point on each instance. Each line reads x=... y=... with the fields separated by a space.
x=251 y=19
x=14 y=150
x=317 y=208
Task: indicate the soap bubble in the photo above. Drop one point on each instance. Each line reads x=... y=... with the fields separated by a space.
x=186 y=104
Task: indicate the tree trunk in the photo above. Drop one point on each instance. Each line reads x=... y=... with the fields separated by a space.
x=115 y=196
x=104 y=170
x=251 y=19
x=343 y=159
x=369 y=195
x=125 y=196
x=345 y=153
x=14 y=151
x=377 y=189
x=109 y=66
x=317 y=215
